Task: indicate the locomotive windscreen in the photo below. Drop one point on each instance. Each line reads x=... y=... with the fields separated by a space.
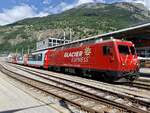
x=123 y=49
x=132 y=50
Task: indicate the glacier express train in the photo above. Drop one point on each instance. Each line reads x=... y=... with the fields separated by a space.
x=112 y=60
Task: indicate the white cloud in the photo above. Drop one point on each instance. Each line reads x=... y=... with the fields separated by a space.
x=8 y=16
x=47 y=2
x=65 y=6
x=59 y=8
x=89 y=1
x=84 y=1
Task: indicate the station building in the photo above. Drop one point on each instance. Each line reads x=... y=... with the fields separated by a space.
x=50 y=42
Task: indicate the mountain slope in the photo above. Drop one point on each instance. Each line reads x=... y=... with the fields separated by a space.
x=84 y=21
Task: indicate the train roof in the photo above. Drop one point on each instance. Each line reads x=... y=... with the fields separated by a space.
x=115 y=34
x=41 y=51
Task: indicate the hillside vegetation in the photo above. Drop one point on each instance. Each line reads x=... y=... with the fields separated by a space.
x=84 y=21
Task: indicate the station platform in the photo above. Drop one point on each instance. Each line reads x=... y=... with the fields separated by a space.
x=145 y=72
x=14 y=100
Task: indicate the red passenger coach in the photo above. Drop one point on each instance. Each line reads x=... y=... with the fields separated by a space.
x=112 y=60
x=14 y=59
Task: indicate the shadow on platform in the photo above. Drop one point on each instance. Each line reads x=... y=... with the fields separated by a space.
x=65 y=105
x=15 y=110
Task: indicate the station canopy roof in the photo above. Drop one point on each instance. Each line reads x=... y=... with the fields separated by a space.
x=131 y=33
x=137 y=32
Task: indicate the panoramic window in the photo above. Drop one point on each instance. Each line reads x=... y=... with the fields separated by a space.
x=33 y=58
x=39 y=58
x=30 y=58
x=123 y=49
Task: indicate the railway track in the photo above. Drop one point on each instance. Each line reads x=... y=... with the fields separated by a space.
x=119 y=102
x=141 y=84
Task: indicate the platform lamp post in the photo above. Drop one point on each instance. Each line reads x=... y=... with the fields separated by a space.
x=16 y=51
x=16 y=54
x=22 y=51
x=64 y=37
x=70 y=35
x=28 y=50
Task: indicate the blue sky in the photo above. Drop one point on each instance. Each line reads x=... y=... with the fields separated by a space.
x=14 y=10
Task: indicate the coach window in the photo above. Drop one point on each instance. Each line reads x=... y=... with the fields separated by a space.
x=39 y=57
x=106 y=50
x=33 y=58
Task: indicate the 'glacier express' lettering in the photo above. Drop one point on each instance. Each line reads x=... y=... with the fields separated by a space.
x=73 y=54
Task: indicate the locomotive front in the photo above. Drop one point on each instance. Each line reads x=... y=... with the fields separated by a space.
x=129 y=64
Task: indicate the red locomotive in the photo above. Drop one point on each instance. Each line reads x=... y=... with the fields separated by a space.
x=112 y=60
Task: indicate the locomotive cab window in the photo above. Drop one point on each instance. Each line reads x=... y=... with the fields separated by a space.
x=132 y=50
x=107 y=50
x=123 y=49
